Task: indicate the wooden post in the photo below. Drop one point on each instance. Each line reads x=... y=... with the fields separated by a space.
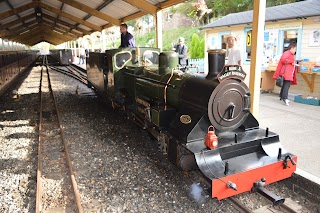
x=259 y=7
x=159 y=19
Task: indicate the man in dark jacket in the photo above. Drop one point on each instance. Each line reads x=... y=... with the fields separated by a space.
x=182 y=50
x=127 y=39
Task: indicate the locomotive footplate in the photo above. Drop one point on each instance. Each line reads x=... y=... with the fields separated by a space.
x=233 y=172
x=244 y=181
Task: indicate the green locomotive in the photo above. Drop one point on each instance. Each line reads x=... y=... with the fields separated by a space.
x=183 y=110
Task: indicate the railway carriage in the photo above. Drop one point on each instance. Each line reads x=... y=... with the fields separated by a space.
x=63 y=56
x=12 y=63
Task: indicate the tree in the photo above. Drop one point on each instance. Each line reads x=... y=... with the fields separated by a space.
x=223 y=7
x=196 y=49
x=201 y=48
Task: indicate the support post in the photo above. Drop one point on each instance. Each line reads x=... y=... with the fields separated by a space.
x=159 y=20
x=259 y=7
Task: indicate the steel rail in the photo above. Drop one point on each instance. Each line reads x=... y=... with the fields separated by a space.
x=78 y=72
x=38 y=193
x=65 y=145
x=71 y=74
x=73 y=180
x=238 y=205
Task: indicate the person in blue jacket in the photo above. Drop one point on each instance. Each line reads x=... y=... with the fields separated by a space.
x=127 y=39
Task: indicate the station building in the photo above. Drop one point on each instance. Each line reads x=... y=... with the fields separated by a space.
x=297 y=23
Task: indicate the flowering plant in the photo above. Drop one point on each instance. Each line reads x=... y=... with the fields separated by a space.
x=201 y=8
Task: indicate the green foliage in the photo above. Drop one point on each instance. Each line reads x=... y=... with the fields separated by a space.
x=197 y=47
x=170 y=37
x=223 y=7
x=131 y=23
x=194 y=39
x=148 y=39
x=195 y=42
x=201 y=48
x=271 y=3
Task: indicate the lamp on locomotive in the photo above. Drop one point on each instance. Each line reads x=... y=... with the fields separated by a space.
x=211 y=139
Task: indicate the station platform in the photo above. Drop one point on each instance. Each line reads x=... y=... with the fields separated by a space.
x=298 y=126
x=76 y=62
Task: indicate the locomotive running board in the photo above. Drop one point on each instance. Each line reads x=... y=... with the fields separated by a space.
x=272 y=173
x=223 y=186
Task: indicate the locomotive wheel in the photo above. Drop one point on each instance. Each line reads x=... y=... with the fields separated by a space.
x=229 y=105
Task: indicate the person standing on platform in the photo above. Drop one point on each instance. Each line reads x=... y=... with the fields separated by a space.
x=182 y=50
x=127 y=39
x=82 y=54
x=287 y=68
x=234 y=56
x=87 y=53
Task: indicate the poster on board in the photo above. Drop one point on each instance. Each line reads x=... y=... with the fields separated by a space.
x=314 y=38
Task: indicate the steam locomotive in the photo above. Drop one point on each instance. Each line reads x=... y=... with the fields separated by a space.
x=200 y=121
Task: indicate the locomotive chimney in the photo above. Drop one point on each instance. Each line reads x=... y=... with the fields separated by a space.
x=216 y=61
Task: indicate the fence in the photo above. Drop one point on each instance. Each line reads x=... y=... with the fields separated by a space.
x=199 y=64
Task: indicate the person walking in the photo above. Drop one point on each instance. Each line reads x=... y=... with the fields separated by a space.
x=127 y=39
x=234 y=56
x=287 y=68
x=182 y=50
x=87 y=53
x=82 y=54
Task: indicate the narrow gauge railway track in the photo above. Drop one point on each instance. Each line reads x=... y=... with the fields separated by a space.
x=286 y=207
x=73 y=66
x=56 y=186
x=72 y=72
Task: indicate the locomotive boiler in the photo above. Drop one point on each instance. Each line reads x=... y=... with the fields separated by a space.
x=200 y=121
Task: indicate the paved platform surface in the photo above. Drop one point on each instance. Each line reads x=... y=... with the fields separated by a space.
x=76 y=62
x=298 y=126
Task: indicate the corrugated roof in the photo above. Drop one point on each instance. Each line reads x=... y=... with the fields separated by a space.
x=295 y=10
x=57 y=21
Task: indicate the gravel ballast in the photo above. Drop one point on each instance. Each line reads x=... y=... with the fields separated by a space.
x=118 y=168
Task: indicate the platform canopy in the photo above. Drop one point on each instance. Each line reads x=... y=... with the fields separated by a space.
x=57 y=21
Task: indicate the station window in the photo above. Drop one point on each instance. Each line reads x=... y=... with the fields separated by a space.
x=247 y=42
x=224 y=45
x=289 y=37
x=248 y=45
x=222 y=41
